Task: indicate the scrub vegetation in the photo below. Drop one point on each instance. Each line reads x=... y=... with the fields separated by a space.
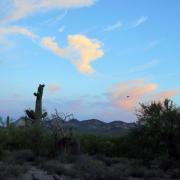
x=41 y=148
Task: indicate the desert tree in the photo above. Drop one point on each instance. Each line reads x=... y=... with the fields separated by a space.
x=160 y=124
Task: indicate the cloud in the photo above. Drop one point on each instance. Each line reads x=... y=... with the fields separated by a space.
x=89 y=108
x=161 y=96
x=144 y=67
x=128 y=94
x=174 y=73
x=51 y=44
x=113 y=27
x=140 y=21
x=16 y=30
x=23 y=8
x=152 y=45
x=80 y=51
x=89 y=30
x=57 y=19
x=53 y=88
x=62 y=28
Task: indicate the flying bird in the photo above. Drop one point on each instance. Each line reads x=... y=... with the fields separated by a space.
x=127 y=96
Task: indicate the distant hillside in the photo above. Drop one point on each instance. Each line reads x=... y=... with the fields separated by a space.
x=91 y=126
x=94 y=126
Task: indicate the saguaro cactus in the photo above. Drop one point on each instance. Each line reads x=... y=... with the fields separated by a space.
x=37 y=114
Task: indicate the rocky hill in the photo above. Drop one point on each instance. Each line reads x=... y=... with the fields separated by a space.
x=90 y=126
x=95 y=126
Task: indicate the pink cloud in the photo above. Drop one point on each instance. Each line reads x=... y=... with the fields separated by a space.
x=161 y=96
x=53 y=88
x=127 y=95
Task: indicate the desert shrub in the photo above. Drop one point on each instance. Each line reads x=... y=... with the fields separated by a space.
x=53 y=167
x=88 y=168
x=175 y=173
x=120 y=146
x=107 y=160
x=11 y=170
x=22 y=156
x=165 y=163
x=18 y=156
x=67 y=158
x=94 y=144
x=156 y=134
x=3 y=139
x=33 y=137
x=159 y=126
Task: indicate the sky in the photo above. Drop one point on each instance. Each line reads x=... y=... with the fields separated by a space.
x=98 y=58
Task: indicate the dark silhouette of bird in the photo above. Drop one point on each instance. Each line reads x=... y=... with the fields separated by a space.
x=128 y=96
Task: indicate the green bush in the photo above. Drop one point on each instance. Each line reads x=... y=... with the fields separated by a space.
x=156 y=134
x=32 y=137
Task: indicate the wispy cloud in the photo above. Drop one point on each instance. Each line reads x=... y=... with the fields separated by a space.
x=23 y=8
x=81 y=51
x=17 y=30
x=62 y=28
x=152 y=45
x=140 y=21
x=144 y=67
x=113 y=27
x=127 y=95
x=161 y=96
x=53 y=88
x=57 y=19
x=174 y=73
x=89 y=30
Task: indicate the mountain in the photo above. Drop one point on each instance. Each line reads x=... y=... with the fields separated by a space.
x=95 y=126
x=90 y=126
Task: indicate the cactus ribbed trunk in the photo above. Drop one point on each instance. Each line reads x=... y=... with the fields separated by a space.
x=38 y=106
x=37 y=114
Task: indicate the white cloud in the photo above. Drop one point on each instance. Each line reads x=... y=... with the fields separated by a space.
x=50 y=43
x=17 y=30
x=81 y=51
x=113 y=27
x=23 y=8
x=140 y=21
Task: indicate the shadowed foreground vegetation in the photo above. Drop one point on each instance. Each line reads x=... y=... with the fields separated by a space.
x=150 y=150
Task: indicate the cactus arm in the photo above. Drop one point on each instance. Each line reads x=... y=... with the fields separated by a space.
x=31 y=114
x=44 y=114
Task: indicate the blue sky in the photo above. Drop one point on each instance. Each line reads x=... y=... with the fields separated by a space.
x=90 y=54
